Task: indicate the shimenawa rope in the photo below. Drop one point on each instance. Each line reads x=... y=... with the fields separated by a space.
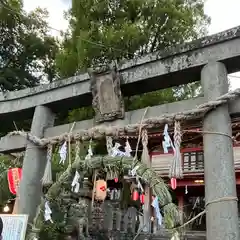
x=102 y=131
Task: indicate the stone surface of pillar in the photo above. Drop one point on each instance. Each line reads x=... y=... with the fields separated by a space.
x=220 y=182
x=34 y=164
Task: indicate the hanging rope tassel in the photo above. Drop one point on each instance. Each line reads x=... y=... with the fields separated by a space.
x=47 y=177
x=109 y=145
x=77 y=150
x=176 y=166
x=145 y=154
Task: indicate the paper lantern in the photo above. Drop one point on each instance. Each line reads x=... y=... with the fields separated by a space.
x=135 y=195
x=14 y=177
x=173 y=183
x=142 y=198
x=100 y=190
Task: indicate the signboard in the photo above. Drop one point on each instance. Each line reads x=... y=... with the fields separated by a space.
x=14 y=226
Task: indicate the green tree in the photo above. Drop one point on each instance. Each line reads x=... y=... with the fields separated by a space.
x=127 y=29
x=27 y=51
x=106 y=30
x=27 y=56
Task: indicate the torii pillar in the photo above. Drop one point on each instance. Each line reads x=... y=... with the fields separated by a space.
x=220 y=180
x=34 y=164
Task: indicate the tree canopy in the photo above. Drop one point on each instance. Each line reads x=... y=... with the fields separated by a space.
x=105 y=30
x=27 y=51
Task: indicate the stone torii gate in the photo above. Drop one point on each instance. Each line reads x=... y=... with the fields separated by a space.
x=209 y=59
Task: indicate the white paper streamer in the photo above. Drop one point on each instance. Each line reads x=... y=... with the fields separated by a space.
x=157 y=210
x=75 y=183
x=175 y=236
x=90 y=153
x=133 y=172
x=139 y=184
x=47 y=212
x=128 y=149
x=115 y=150
x=167 y=142
x=118 y=153
x=63 y=153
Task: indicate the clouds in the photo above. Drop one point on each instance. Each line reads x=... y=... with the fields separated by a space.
x=224 y=14
x=67 y=2
x=55 y=8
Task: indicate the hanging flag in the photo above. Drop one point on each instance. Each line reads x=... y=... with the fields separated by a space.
x=14 y=177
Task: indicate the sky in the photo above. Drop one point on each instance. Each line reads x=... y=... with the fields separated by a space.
x=224 y=15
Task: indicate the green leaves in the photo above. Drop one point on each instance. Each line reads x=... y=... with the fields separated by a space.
x=136 y=27
x=27 y=52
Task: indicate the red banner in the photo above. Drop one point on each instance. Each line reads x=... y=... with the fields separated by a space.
x=14 y=177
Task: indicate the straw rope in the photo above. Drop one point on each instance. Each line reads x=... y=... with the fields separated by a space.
x=99 y=132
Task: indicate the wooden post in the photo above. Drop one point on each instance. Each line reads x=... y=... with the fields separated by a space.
x=180 y=206
x=16 y=203
x=147 y=209
x=220 y=182
x=147 y=200
x=34 y=164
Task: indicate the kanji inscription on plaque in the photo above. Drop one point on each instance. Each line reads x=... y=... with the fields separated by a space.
x=14 y=226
